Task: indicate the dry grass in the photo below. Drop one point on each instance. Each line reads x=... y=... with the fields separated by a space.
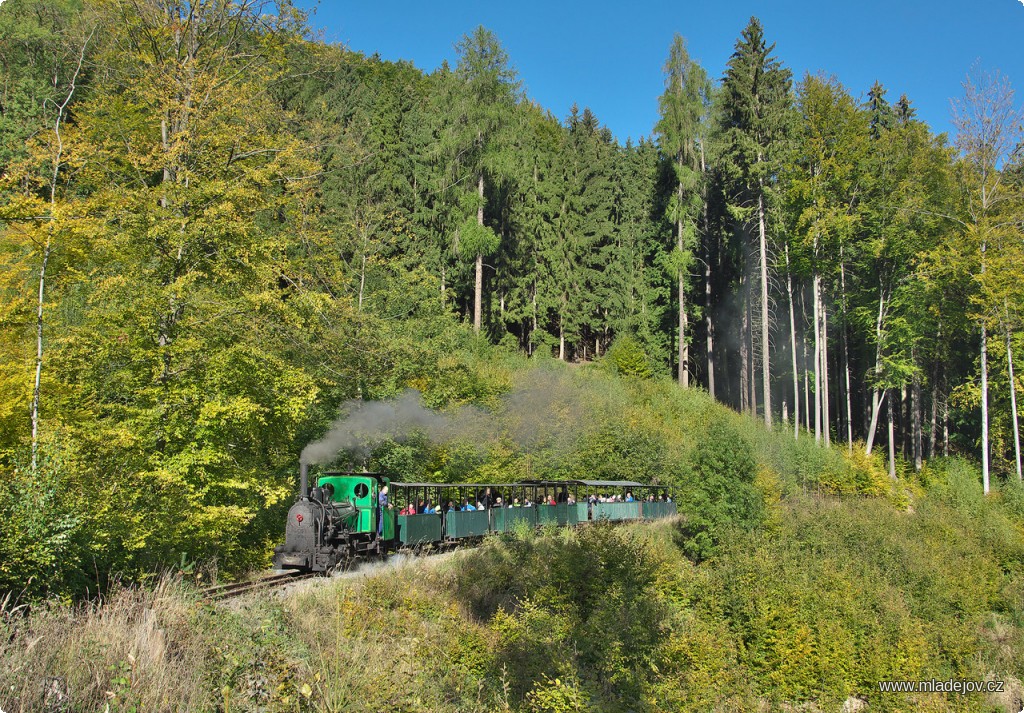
x=133 y=650
x=393 y=640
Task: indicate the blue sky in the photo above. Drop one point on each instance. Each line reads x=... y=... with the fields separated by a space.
x=609 y=56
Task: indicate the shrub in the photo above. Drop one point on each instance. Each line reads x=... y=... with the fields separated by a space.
x=719 y=491
x=627 y=357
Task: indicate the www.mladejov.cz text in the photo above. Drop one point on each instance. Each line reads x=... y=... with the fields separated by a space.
x=934 y=685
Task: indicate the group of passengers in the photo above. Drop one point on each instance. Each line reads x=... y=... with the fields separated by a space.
x=651 y=498
x=488 y=500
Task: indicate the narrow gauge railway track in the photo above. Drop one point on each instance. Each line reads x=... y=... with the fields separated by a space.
x=236 y=589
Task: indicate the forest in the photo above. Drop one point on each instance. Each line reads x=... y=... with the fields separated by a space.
x=215 y=230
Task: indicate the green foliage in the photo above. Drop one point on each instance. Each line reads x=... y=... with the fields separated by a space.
x=718 y=491
x=556 y=696
x=43 y=518
x=839 y=593
x=476 y=239
x=627 y=357
x=755 y=108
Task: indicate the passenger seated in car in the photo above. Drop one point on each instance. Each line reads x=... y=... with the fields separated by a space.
x=467 y=506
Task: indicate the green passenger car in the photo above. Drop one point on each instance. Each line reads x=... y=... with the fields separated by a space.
x=505 y=519
x=473 y=523
x=419 y=529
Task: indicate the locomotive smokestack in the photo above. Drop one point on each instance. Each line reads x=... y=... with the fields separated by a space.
x=303 y=480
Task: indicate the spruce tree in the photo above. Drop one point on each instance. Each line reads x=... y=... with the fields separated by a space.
x=491 y=88
x=756 y=108
x=683 y=107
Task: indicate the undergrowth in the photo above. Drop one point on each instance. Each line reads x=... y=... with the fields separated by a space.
x=812 y=605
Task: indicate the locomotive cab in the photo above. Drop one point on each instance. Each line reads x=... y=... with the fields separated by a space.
x=362 y=490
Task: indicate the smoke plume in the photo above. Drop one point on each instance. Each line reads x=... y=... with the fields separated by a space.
x=544 y=412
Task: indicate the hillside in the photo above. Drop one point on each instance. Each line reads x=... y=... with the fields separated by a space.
x=828 y=596
x=212 y=241
x=794 y=576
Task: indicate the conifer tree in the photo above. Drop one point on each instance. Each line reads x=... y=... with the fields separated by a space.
x=491 y=89
x=680 y=129
x=756 y=106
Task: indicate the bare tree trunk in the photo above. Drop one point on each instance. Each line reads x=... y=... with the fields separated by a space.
x=807 y=370
x=826 y=418
x=365 y=230
x=167 y=170
x=915 y=408
x=39 y=358
x=817 y=359
x=934 y=420
x=751 y=332
x=766 y=382
x=892 y=443
x=792 y=348
x=753 y=360
x=744 y=348
x=903 y=421
x=846 y=355
x=1013 y=393
x=710 y=328
x=533 y=319
x=945 y=418
x=877 y=400
x=707 y=287
x=683 y=371
x=362 y=281
x=478 y=286
x=989 y=133
x=934 y=425
x=865 y=410
x=984 y=408
x=684 y=348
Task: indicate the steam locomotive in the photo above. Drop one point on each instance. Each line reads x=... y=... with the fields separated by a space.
x=349 y=515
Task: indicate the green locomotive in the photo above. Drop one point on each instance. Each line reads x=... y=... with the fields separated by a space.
x=342 y=518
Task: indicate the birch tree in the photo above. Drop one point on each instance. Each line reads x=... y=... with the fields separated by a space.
x=54 y=49
x=988 y=125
